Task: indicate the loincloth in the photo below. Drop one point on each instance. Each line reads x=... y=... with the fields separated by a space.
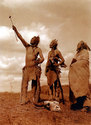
x=32 y=72
x=52 y=75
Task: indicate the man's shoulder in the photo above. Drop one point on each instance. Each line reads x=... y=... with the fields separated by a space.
x=50 y=52
x=38 y=48
x=57 y=50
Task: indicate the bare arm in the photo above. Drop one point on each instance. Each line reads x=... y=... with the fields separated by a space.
x=48 y=59
x=62 y=60
x=47 y=64
x=20 y=37
x=49 y=55
x=41 y=59
x=61 y=57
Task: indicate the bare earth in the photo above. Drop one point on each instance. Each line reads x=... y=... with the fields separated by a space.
x=12 y=113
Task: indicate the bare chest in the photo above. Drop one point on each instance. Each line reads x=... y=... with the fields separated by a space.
x=31 y=51
x=53 y=53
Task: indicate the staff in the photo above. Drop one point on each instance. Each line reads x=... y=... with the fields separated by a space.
x=12 y=25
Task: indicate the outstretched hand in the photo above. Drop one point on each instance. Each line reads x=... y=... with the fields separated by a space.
x=13 y=27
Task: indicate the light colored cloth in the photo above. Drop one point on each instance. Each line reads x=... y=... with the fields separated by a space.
x=51 y=77
x=79 y=74
x=29 y=73
x=52 y=73
x=32 y=72
x=87 y=102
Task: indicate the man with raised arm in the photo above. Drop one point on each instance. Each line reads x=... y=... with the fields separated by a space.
x=31 y=70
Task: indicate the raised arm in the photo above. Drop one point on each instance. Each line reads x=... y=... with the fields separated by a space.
x=19 y=36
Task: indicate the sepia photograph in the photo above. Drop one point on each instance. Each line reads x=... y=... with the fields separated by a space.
x=45 y=62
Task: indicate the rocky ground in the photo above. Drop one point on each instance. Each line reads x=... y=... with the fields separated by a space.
x=12 y=113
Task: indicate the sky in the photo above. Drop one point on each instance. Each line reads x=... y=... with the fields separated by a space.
x=68 y=21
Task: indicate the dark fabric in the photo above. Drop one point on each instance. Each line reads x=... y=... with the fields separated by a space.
x=71 y=95
x=79 y=104
x=55 y=85
x=51 y=88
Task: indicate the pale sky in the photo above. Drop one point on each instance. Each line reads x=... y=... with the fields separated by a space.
x=68 y=21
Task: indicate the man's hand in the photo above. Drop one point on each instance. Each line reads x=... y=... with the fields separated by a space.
x=37 y=61
x=56 y=64
x=63 y=65
x=13 y=27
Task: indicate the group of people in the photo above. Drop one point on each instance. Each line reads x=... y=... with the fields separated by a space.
x=79 y=93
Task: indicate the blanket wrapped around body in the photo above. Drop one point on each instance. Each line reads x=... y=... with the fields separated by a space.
x=79 y=74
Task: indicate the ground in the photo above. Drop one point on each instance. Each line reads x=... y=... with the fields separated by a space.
x=12 y=113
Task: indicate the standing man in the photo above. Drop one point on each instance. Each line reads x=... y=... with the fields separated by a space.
x=31 y=70
x=79 y=78
x=55 y=59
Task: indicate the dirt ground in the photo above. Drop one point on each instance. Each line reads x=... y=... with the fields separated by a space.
x=12 y=113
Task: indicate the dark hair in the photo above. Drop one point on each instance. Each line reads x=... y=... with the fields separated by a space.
x=82 y=45
x=35 y=40
x=53 y=44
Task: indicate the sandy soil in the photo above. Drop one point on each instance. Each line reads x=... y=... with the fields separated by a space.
x=12 y=113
